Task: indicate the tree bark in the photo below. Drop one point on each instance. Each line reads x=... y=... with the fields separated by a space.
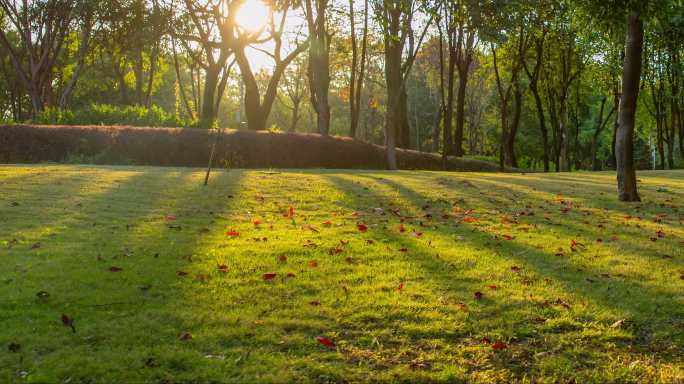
x=319 y=62
x=624 y=144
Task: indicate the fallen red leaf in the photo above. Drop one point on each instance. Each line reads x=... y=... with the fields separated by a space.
x=417 y=235
x=269 y=276
x=361 y=227
x=499 y=345
x=290 y=212
x=325 y=341
x=223 y=268
x=469 y=219
x=327 y=223
x=485 y=340
x=68 y=322
x=508 y=237
x=492 y=286
x=313 y=264
x=256 y=222
x=233 y=233
x=401 y=286
x=402 y=229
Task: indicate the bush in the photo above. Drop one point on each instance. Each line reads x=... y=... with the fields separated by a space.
x=104 y=114
x=190 y=147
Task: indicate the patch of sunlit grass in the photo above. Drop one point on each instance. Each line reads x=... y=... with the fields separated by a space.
x=458 y=277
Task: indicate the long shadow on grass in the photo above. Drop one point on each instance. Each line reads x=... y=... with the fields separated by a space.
x=144 y=225
x=641 y=301
x=641 y=232
x=452 y=286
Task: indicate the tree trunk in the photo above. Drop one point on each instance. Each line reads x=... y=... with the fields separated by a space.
x=595 y=165
x=403 y=128
x=542 y=125
x=435 y=131
x=449 y=106
x=211 y=80
x=319 y=62
x=564 y=155
x=624 y=143
x=80 y=64
x=510 y=159
x=460 y=112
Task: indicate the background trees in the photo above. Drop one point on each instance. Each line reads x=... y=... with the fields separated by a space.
x=533 y=84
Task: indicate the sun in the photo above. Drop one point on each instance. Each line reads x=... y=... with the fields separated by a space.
x=253 y=15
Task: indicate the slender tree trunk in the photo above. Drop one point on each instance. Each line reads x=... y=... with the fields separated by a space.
x=542 y=126
x=510 y=158
x=449 y=106
x=624 y=144
x=154 y=56
x=181 y=87
x=404 y=128
x=80 y=64
x=564 y=156
x=595 y=165
x=435 y=131
x=460 y=112
x=357 y=76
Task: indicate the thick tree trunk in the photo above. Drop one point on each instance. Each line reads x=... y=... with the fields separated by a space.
x=211 y=80
x=36 y=101
x=624 y=144
x=319 y=62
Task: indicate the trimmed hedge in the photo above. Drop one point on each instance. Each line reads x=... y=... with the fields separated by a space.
x=190 y=147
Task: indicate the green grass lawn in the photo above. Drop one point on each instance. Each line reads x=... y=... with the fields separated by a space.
x=458 y=277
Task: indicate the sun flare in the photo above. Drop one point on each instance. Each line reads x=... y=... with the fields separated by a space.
x=253 y=15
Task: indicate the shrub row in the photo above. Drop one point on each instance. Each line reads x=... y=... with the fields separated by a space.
x=104 y=114
x=191 y=147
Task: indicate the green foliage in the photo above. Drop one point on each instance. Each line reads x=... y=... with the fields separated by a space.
x=104 y=114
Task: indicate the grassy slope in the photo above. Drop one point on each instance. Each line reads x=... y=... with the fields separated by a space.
x=557 y=314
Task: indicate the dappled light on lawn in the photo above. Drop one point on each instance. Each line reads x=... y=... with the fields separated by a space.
x=303 y=276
